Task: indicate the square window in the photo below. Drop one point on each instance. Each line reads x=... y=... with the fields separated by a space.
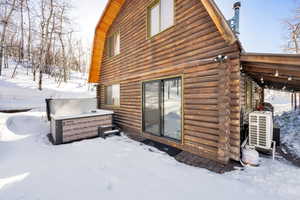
x=160 y=16
x=113 y=45
x=112 y=95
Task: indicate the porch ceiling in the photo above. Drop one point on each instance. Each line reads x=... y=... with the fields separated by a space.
x=259 y=65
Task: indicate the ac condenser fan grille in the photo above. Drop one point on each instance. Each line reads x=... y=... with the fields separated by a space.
x=260 y=129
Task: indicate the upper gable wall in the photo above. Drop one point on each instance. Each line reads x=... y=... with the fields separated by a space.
x=194 y=36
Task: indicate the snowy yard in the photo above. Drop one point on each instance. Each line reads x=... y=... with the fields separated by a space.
x=21 y=92
x=116 y=168
x=289 y=123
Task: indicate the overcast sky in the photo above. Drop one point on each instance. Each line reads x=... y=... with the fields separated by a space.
x=261 y=21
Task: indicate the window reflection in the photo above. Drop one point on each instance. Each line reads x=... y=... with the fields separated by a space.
x=172 y=108
x=152 y=112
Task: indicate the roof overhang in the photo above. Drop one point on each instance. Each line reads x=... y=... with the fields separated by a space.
x=220 y=21
x=112 y=10
x=262 y=68
x=110 y=13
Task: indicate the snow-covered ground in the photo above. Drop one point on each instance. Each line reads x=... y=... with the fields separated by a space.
x=289 y=123
x=287 y=120
x=116 y=168
x=281 y=100
x=21 y=92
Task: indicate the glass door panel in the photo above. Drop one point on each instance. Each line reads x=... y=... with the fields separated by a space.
x=172 y=108
x=152 y=107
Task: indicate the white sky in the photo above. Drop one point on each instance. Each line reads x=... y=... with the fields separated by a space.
x=87 y=13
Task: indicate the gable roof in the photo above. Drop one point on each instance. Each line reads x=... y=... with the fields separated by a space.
x=111 y=11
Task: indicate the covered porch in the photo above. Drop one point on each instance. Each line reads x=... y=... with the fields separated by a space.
x=274 y=71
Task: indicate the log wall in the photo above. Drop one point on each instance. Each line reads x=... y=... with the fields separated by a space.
x=176 y=52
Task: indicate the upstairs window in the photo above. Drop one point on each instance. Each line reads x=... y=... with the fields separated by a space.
x=160 y=16
x=112 y=95
x=113 y=45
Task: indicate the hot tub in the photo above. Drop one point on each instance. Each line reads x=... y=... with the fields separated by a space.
x=76 y=119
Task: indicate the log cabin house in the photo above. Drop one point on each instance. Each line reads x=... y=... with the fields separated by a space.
x=175 y=72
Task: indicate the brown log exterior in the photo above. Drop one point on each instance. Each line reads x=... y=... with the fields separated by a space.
x=224 y=112
x=211 y=91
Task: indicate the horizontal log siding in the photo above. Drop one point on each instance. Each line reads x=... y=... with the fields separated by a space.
x=235 y=108
x=193 y=37
x=200 y=108
x=243 y=92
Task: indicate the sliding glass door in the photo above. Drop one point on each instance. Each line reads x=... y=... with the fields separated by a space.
x=152 y=107
x=162 y=105
x=172 y=109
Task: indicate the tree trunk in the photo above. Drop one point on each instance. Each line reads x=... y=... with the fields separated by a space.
x=295 y=39
x=21 y=56
x=2 y=41
x=40 y=80
x=29 y=32
x=34 y=74
x=2 y=46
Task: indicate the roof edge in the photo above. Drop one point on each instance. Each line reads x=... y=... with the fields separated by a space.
x=98 y=43
x=272 y=58
x=220 y=21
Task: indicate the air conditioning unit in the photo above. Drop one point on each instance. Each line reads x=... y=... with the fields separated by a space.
x=261 y=129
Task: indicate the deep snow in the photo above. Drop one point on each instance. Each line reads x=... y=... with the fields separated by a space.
x=289 y=123
x=21 y=92
x=281 y=100
x=116 y=168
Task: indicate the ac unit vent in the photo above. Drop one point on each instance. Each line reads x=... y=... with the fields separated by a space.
x=261 y=129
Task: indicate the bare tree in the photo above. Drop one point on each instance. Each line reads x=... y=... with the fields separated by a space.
x=29 y=33
x=60 y=35
x=293 y=33
x=293 y=42
x=44 y=36
x=7 y=8
x=21 y=57
x=40 y=34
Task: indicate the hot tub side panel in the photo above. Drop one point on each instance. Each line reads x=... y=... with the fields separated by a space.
x=69 y=130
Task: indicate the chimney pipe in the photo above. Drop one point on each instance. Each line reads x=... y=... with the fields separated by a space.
x=235 y=21
x=236 y=8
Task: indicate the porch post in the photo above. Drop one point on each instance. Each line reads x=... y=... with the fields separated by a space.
x=292 y=100
x=224 y=112
x=298 y=100
x=296 y=103
x=262 y=95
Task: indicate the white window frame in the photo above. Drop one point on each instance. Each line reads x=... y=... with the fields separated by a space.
x=114 y=44
x=154 y=4
x=113 y=88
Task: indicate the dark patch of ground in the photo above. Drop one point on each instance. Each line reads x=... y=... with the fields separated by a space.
x=171 y=151
x=16 y=110
x=188 y=158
